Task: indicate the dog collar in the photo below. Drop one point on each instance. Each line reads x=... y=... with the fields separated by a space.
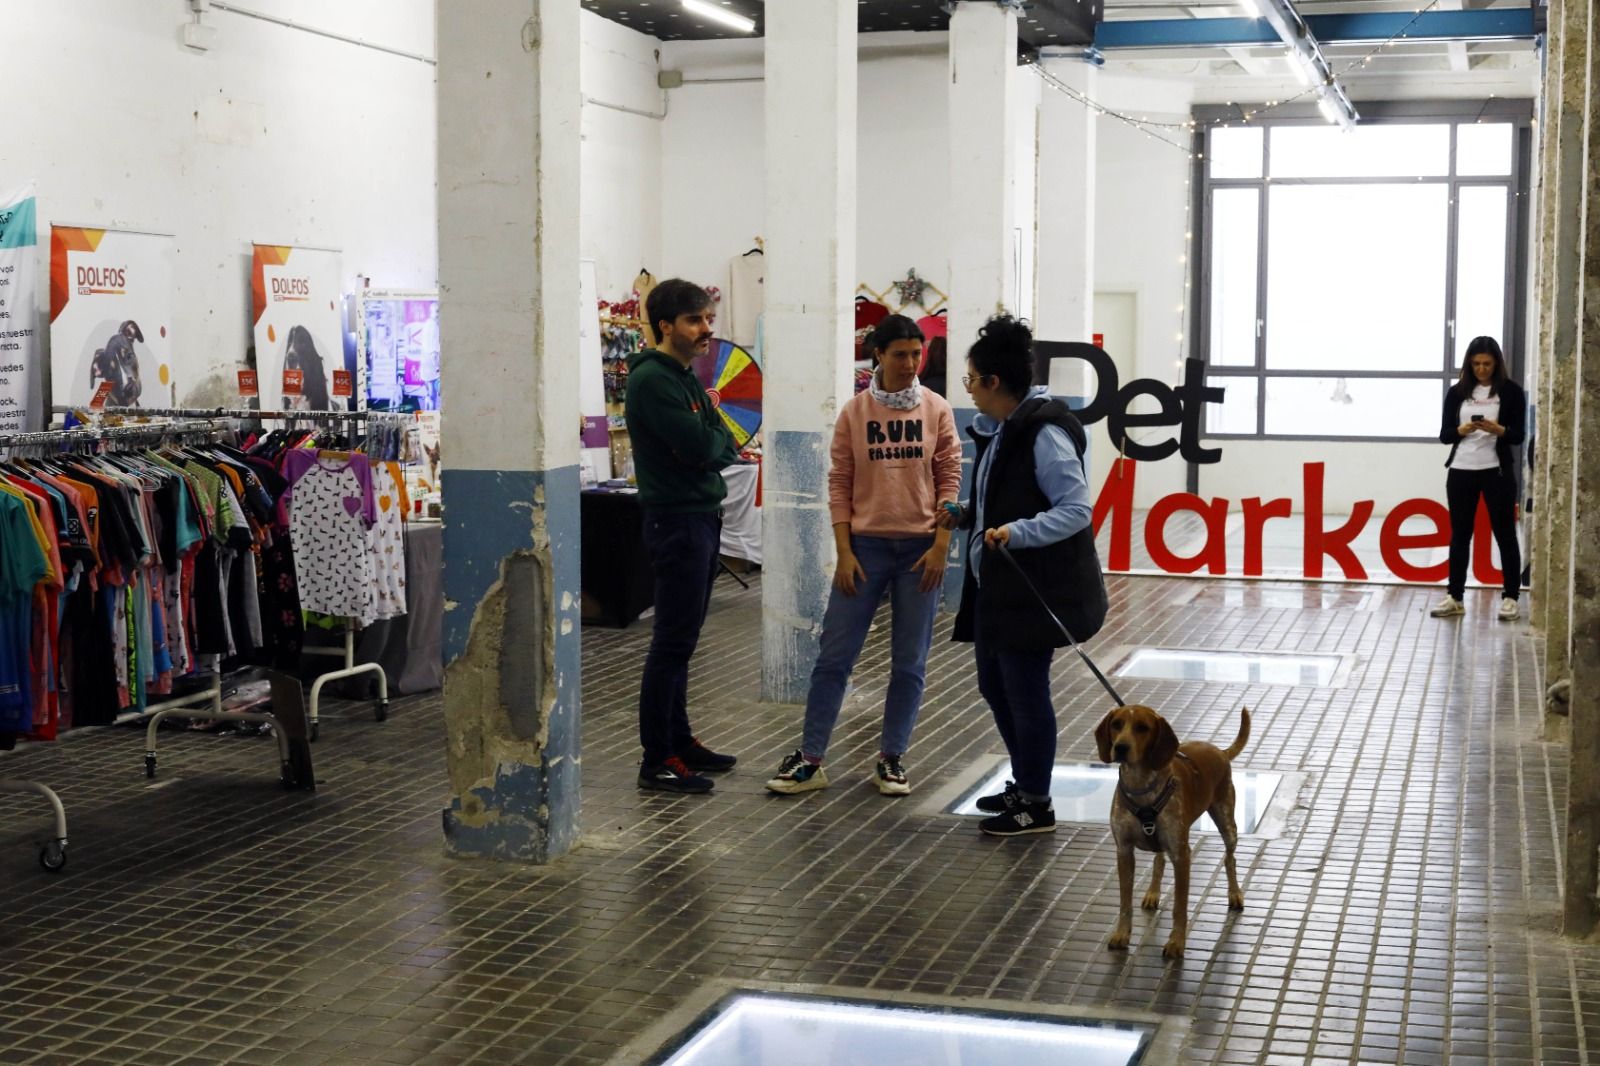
x=1147 y=815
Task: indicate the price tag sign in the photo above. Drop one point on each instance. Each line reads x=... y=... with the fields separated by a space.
x=248 y=386
x=294 y=382
x=101 y=394
x=341 y=383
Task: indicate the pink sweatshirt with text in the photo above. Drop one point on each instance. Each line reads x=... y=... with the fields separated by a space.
x=892 y=468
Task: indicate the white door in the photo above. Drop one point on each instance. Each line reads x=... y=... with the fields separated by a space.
x=1115 y=319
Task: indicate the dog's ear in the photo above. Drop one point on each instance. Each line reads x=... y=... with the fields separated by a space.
x=1162 y=747
x=1102 y=737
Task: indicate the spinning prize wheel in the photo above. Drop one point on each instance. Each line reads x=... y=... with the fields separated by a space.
x=733 y=382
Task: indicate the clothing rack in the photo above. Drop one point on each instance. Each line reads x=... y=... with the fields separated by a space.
x=53 y=852
x=350 y=667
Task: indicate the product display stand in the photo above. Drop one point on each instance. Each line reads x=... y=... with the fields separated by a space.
x=53 y=853
x=350 y=669
x=286 y=719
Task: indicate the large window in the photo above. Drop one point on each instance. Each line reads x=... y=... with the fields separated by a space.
x=1342 y=274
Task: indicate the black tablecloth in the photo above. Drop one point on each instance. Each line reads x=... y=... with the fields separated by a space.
x=618 y=583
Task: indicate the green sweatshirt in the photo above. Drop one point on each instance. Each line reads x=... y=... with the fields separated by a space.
x=680 y=443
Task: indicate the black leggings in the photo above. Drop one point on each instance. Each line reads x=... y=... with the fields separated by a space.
x=1462 y=489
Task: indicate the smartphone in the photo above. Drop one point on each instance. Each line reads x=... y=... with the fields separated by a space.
x=1477 y=418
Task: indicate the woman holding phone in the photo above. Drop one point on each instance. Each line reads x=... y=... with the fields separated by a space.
x=1485 y=416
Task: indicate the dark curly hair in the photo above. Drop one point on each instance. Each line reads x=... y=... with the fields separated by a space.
x=1004 y=350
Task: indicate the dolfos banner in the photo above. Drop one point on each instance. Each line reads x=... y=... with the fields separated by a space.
x=110 y=312
x=19 y=334
x=299 y=333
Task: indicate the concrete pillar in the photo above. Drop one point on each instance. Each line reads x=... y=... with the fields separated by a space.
x=810 y=282
x=508 y=273
x=1066 y=210
x=1538 y=379
x=1581 y=912
x=1566 y=85
x=983 y=216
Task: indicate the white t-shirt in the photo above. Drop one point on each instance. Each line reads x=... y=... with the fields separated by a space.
x=1476 y=450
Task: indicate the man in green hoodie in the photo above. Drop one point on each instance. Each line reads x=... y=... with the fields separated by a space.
x=680 y=446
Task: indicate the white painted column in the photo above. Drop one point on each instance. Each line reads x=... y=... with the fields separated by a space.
x=983 y=215
x=1066 y=219
x=811 y=263
x=508 y=120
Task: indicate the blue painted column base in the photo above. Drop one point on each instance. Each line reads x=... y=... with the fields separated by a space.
x=512 y=669
x=797 y=549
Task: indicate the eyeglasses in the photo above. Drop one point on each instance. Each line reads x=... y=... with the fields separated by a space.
x=968 y=379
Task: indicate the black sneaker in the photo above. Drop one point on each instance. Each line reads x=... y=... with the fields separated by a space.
x=673 y=776
x=1023 y=818
x=1001 y=801
x=701 y=758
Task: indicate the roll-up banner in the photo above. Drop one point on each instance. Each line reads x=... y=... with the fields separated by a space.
x=298 y=329
x=110 y=316
x=19 y=317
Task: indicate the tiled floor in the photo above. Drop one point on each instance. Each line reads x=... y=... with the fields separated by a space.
x=1408 y=912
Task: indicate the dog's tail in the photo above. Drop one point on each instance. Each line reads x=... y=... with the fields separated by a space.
x=1244 y=735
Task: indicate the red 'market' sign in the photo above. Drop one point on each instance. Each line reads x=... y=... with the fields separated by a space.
x=1321 y=543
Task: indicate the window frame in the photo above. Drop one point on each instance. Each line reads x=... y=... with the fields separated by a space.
x=1518 y=113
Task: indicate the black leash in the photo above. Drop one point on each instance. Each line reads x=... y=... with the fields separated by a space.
x=1006 y=554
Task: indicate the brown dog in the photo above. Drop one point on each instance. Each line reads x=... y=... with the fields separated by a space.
x=1162 y=787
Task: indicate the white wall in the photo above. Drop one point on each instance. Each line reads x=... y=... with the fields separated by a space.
x=1141 y=210
x=620 y=228
x=713 y=158
x=274 y=134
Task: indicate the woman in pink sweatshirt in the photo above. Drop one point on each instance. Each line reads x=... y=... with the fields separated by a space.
x=896 y=460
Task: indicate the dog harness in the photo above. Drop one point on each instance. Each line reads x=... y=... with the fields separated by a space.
x=1147 y=815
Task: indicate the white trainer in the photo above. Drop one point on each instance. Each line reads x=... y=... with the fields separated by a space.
x=1508 y=609
x=1447 y=607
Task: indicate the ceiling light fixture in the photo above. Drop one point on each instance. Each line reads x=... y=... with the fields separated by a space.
x=717 y=14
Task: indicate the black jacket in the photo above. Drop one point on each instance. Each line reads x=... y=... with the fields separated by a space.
x=1066 y=572
x=1513 y=416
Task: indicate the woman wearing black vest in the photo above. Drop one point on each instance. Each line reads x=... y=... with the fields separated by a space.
x=1030 y=494
x=1485 y=415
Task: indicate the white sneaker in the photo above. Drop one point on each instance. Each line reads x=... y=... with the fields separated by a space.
x=1508 y=609
x=1447 y=607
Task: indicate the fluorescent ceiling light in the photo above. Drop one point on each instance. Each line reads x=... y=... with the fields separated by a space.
x=1329 y=109
x=1251 y=9
x=717 y=14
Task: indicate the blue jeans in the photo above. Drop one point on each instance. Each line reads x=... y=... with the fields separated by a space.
x=683 y=552
x=888 y=565
x=1016 y=685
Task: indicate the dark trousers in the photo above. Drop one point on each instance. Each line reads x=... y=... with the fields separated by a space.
x=1462 y=489
x=1016 y=685
x=683 y=551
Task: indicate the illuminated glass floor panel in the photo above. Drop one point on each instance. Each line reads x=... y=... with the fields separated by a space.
x=756 y=1028
x=1236 y=667
x=1287 y=597
x=1082 y=793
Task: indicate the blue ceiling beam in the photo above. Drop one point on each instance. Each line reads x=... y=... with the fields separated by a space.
x=1375 y=27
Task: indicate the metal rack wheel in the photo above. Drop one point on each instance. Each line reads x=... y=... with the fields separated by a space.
x=53 y=856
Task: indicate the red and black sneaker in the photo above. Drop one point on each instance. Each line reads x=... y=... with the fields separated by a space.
x=700 y=758
x=673 y=776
